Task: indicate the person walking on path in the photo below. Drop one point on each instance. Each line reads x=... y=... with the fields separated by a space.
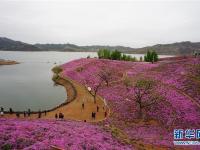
x=29 y=112
x=61 y=116
x=2 y=112
x=83 y=105
x=56 y=116
x=45 y=112
x=17 y=114
x=105 y=114
x=39 y=114
x=24 y=114
x=97 y=108
x=10 y=110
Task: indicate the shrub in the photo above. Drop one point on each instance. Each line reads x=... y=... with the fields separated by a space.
x=104 y=53
x=79 y=69
x=116 y=55
x=57 y=69
x=55 y=77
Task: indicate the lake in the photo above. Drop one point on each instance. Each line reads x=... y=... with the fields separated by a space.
x=29 y=84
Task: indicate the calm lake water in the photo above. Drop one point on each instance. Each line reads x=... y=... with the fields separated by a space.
x=28 y=84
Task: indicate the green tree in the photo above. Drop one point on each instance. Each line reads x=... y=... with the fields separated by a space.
x=116 y=55
x=151 y=56
x=104 y=53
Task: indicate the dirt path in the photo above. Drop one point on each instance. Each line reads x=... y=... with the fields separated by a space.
x=74 y=110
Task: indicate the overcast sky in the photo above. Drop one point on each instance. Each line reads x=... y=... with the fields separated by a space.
x=130 y=23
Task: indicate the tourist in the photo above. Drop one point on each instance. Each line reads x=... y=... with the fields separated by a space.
x=10 y=110
x=17 y=114
x=2 y=109
x=105 y=114
x=97 y=108
x=39 y=114
x=29 y=112
x=61 y=116
x=94 y=115
x=56 y=116
x=2 y=113
x=83 y=105
x=24 y=114
x=45 y=112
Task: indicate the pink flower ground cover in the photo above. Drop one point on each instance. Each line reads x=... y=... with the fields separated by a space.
x=177 y=111
x=42 y=134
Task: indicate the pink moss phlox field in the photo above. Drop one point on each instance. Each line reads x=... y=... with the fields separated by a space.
x=42 y=134
x=175 y=81
x=172 y=78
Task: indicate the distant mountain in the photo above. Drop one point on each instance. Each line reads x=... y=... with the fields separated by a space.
x=181 y=48
x=75 y=48
x=11 y=45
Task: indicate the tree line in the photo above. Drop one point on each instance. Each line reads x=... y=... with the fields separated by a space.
x=150 y=56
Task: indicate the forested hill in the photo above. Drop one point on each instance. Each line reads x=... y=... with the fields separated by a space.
x=181 y=48
x=11 y=45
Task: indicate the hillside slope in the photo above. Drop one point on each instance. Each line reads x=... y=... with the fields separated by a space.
x=180 y=48
x=11 y=45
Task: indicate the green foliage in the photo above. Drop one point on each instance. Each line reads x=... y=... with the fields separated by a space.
x=104 y=53
x=6 y=147
x=114 y=55
x=57 y=69
x=144 y=83
x=151 y=56
x=141 y=58
x=55 y=77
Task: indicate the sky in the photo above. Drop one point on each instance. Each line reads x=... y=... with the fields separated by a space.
x=83 y=22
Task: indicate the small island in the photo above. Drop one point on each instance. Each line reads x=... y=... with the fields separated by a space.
x=8 y=62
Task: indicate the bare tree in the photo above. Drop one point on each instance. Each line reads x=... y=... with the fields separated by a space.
x=145 y=95
x=94 y=89
x=127 y=82
x=105 y=75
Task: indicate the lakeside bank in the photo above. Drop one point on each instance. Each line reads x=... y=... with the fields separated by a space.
x=71 y=108
x=8 y=62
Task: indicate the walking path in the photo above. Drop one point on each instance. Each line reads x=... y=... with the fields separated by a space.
x=73 y=110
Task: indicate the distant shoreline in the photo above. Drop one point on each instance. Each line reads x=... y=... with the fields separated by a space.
x=8 y=62
x=80 y=51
